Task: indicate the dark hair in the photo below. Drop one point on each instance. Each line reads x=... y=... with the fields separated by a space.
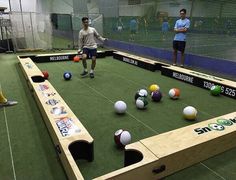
x=84 y=19
x=184 y=10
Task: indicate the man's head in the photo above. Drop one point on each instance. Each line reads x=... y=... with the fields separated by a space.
x=85 y=22
x=183 y=13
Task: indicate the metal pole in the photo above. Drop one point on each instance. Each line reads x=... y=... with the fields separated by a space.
x=32 y=30
x=191 y=11
x=22 y=19
x=9 y=1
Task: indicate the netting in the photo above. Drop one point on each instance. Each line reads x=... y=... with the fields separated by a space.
x=31 y=30
x=146 y=22
x=151 y=23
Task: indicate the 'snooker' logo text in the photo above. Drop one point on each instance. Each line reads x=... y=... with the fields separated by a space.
x=219 y=125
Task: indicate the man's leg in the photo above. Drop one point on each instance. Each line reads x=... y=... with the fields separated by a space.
x=93 y=53
x=182 y=53
x=175 y=57
x=84 y=57
x=175 y=48
x=2 y=98
x=182 y=59
x=92 y=66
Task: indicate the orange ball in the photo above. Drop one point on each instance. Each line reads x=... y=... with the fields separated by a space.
x=174 y=93
x=76 y=59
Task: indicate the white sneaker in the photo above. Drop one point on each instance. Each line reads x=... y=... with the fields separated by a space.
x=8 y=103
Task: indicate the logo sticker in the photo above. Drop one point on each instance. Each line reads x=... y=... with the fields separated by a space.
x=58 y=110
x=225 y=122
x=216 y=126
x=220 y=125
x=52 y=102
x=28 y=65
x=43 y=87
x=48 y=94
x=67 y=126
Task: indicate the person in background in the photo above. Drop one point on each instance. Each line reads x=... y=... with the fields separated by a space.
x=181 y=27
x=133 y=28
x=164 y=28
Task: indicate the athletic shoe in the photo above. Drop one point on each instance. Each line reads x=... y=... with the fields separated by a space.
x=84 y=73
x=8 y=103
x=91 y=75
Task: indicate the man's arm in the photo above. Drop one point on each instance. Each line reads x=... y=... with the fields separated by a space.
x=182 y=30
x=81 y=44
x=98 y=36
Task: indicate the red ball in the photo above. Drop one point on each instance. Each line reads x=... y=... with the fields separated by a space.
x=122 y=138
x=45 y=74
x=76 y=59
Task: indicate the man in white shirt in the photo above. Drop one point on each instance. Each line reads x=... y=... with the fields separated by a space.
x=88 y=46
x=181 y=27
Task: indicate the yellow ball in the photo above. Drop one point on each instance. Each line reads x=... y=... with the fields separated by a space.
x=154 y=87
x=190 y=113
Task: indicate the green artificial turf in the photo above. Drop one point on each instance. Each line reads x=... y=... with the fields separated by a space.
x=92 y=101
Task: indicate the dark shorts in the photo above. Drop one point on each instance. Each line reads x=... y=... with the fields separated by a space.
x=90 y=52
x=133 y=31
x=179 y=45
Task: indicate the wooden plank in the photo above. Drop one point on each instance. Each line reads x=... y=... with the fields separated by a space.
x=30 y=69
x=70 y=137
x=180 y=148
x=228 y=88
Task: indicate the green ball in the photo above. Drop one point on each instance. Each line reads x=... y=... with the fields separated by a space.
x=215 y=90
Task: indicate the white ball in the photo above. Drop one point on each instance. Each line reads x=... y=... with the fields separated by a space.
x=143 y=92
x=125 y=138
x=120 y=107
x=141 y=103
x=190 y=113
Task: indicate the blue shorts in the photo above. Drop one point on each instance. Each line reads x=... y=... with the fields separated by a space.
x=179 y=45
x=90 y=52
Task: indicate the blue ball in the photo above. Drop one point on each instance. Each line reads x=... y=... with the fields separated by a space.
x=67 y=76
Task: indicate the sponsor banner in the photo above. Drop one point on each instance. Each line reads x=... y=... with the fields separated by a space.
x=199 y=79
x=135 y=62
x=59 y=58
x=67 y=126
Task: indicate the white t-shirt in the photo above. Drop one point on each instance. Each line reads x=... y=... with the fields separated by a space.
x=87 y=38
